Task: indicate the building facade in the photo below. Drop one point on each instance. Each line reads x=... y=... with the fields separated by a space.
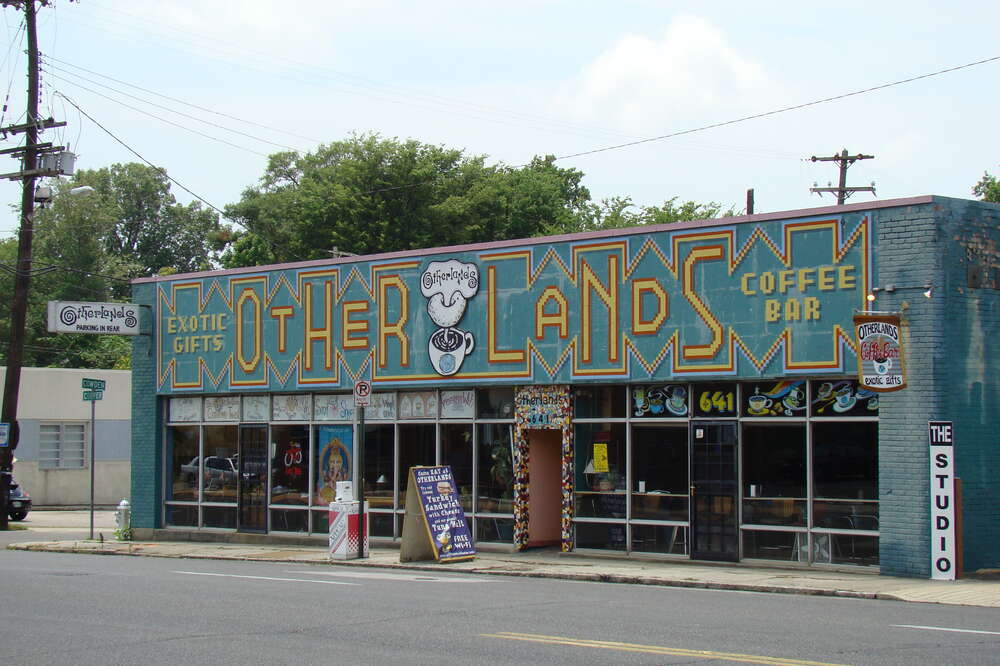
x=53 y=455
x=685 y=390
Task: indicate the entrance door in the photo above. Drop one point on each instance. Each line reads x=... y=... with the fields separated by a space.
x=714 y=527
x=252 y=470
x=544 y=488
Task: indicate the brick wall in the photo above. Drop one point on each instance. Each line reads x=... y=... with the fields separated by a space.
x=951 y=343
x=147 y=473
x=969 y=370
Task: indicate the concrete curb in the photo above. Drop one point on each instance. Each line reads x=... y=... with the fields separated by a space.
x=621 y=579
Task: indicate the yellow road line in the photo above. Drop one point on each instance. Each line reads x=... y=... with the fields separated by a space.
x=654 y=649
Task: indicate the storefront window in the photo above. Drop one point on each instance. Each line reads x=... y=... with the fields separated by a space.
x=671 y=540
x=289 y=520
x=289 y=464
x=185 y=465
x=222 y=517
x=416 y=448
x=660 y=473
x=495 y=471
x=774 y=474
x=495 y=403
x=179 y=515
x=333 y=461
x=456 y=452
x=600 y=535
x=845 y=475
x=220 y=465
x=595 y=402
x=600 y=470
x=380 y=476
x=767 y=545
x=500 y=530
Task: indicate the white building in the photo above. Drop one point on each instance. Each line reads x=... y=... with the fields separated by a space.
x=53 y=455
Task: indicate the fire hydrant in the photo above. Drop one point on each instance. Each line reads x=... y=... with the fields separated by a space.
x=123 y=521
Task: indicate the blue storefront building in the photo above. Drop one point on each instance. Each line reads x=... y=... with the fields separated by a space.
x=677 y=391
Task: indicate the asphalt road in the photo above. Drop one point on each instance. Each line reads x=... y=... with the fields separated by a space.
x=86 y=609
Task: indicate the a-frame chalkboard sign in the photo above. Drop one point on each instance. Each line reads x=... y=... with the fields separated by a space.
x=434 y=527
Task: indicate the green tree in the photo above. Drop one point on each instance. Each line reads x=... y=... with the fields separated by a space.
x=368 y=194
x=988 y=188
x=89 y=247
x=148 y=230
x=621 y=213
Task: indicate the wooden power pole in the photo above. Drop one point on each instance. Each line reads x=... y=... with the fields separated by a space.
x=844 y=161
x=31 y=170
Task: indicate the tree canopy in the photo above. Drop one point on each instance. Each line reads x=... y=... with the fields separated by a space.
x=988 y=188
x=88 y=247
x=367 y=194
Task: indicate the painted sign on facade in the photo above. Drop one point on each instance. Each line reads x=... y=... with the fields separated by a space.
x=735 y=301
x=880 y=352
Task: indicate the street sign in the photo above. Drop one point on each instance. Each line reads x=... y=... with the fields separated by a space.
x=362 y=393
x=4 y=435
x=93 y=395
x=94 y=384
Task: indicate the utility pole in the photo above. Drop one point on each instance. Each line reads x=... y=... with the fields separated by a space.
x=844 y=161
x=30 y=171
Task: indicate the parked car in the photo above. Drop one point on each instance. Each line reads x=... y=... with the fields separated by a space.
x=18 y=501
x=217 y=471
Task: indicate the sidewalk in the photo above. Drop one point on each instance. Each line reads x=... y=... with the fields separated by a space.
x=574 y=566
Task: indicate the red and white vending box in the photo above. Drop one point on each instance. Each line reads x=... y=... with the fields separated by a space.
x=345 y=531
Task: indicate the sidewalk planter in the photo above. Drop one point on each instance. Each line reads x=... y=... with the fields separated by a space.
x=681 y=391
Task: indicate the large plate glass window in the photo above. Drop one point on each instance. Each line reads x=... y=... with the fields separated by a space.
x=416 y=448
x=845 y=490
x=220 y=465
x=290 y=464
x=600 y=470
x=184 y=464
x=660 y=473
x=456 y=452
x=380 y=471
x=495 y=470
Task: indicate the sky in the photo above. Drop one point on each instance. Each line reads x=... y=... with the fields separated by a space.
x=207 y=89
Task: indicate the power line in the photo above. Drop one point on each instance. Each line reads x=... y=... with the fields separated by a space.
x=736 y=120
x=52 y=59
x=358 y=85
x=162 y=120
x=777 y=111
x=173 y=180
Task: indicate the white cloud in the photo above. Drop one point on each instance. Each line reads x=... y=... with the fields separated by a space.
x=642 y=84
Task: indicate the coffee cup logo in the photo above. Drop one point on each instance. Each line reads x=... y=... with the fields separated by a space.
x=447 y=348
x=448 y=286
x=758 y=403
